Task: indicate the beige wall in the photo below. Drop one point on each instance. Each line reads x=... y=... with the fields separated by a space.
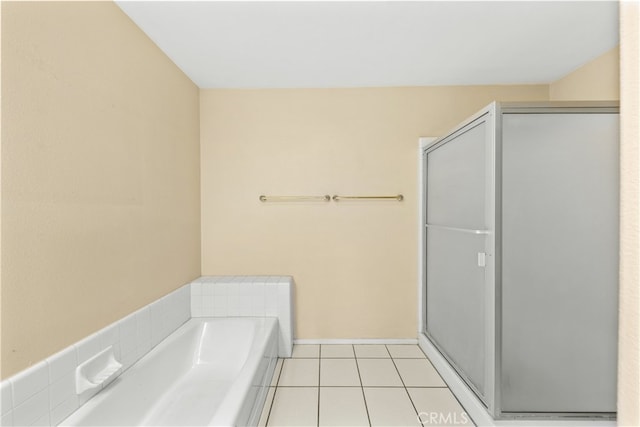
x=629 y=329
x=100 y=174
x=355 y=264
x=598 y=80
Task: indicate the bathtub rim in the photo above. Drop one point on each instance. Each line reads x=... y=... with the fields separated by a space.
x=230 y=407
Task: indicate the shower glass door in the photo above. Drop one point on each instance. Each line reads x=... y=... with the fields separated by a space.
x=459 y=249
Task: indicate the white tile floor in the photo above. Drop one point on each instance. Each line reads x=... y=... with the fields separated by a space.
x=360 y=385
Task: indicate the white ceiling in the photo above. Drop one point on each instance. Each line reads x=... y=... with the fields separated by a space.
x=361 y=44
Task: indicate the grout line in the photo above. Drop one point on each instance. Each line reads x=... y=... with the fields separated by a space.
x=338 y=358
x=280 y=373
x=355 y=386
x=364 y=397
x=319 y=378
x=273 y=399
x=403 y=384
x=380 y=358
x=427 y=386
x=411 y=358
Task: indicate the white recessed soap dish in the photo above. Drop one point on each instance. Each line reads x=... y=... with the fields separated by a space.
x=97 y=370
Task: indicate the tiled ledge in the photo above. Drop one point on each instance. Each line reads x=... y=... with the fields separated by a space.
x=45 y=394
x=247 y=296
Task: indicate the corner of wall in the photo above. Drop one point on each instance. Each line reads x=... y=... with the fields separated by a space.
x=597 y=80
x=629 y=319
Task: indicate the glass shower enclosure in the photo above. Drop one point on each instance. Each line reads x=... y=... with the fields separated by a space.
x=521 y=256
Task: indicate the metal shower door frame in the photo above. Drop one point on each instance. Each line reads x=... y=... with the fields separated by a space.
x=489 y=116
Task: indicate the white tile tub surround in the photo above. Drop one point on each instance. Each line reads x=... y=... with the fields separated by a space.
x=45 y=393
x=247 y=296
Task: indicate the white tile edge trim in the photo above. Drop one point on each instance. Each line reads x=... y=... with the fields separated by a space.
x=380 y=341
x=476 y=409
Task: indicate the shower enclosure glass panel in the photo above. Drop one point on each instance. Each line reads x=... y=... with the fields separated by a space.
x=559 y=262
x=456 y=180
x=456 y=247
x=455 y=300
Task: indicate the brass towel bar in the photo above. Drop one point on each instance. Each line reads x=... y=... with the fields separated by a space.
x=398 y=197
x=327 y=198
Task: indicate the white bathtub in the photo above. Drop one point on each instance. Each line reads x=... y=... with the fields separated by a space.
x=209 y=372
